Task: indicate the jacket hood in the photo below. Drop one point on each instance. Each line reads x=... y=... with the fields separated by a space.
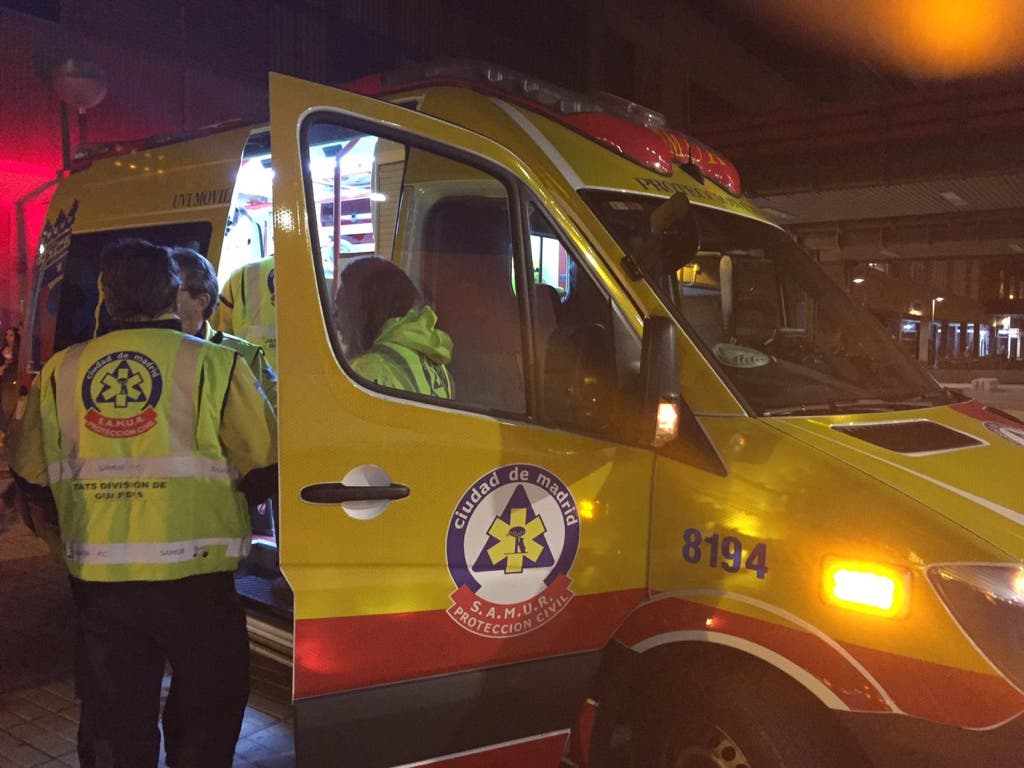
x=418 y=331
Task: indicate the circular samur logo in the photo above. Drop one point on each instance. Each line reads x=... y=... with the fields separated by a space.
x=1013 y=434
x=511 y=541
x=120 y=392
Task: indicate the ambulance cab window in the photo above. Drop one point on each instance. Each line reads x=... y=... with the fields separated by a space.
x=417 y=257
x=587 y=358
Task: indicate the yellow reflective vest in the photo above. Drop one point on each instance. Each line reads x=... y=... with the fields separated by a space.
x=247 y=307
x=143 y=488
x=253 y=355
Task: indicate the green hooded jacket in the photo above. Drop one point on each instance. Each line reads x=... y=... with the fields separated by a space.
x=410 y=353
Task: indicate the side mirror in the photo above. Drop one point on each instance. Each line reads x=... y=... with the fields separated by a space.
x=665 y=418
x=659 y=383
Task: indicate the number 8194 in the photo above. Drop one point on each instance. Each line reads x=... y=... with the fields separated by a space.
x=726 y=553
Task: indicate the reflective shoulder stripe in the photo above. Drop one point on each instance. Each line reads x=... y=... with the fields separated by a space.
x=252 y=295
x=159 y=552
x=402 y=366
x=426 y=376
x=142 y=467
x=256 y=333
x=67 y=399
x=181 y=413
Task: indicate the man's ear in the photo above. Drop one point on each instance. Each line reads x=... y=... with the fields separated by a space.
x=205 y=300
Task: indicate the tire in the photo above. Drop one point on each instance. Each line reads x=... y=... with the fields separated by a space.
x=738 y=717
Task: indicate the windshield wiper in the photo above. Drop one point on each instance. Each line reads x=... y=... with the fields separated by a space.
x=860 y=405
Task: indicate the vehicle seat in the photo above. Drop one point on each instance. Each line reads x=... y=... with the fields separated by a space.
x=467 y=278
x=704 y=314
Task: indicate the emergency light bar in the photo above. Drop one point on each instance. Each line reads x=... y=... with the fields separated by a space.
x=631 y=130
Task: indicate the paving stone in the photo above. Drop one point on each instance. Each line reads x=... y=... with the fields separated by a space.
x=21 y=707
x=43 y=739
x=45 y=699
x=61 y=726
x=277 y=738
x=22 y=755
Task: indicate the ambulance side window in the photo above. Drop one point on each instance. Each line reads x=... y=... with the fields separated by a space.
x=66 y=309
x=587 y=359
x=416 y=252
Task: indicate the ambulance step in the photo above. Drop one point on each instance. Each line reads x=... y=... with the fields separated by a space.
x=263 y=592
x=269 y=639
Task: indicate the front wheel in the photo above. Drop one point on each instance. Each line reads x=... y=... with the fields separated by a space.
x=737 y=718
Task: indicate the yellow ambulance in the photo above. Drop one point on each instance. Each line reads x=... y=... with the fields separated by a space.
x=687 y=505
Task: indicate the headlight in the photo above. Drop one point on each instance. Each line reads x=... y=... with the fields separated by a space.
x=988 y=602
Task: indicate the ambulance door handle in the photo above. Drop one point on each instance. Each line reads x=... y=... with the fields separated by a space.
x=337 y=493
x=363 y=493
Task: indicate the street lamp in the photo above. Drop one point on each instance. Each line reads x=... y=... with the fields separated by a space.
x=935 y=362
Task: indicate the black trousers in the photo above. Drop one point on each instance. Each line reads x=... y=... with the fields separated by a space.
x=129 y=630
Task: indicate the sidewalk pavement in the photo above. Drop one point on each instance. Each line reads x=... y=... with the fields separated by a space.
x=38 y=709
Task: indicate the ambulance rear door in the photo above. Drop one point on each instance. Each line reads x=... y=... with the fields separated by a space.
x=459 y=562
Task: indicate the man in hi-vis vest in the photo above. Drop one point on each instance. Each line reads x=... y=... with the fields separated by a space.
x=150 y=442
x=247 y=306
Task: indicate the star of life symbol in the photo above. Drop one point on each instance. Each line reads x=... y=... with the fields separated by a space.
x=511 y=541
x=120 y=392
x=121 y=387
x=523 y=539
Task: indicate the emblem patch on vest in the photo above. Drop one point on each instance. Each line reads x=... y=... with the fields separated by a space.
x=511 y=541
x=120 y=392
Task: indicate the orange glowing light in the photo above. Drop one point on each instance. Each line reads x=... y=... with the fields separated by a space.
x=866 y=587
x=924 y=38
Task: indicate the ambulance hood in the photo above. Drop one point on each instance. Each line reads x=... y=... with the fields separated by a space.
x=964 y=461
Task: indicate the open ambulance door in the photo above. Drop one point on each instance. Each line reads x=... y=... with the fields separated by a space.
x=458 y=559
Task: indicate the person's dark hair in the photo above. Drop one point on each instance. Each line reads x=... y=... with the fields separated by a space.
x=370 y=291
x=139 y=279
x=197 y=276
x=17 y=337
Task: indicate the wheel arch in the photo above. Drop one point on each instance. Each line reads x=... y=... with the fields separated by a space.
x=630 y=680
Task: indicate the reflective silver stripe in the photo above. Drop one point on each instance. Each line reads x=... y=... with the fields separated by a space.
x=142 y=468
x=181 y=415
x=67 y=400
x=253 y=291
x=151 y=552
x=259 y=332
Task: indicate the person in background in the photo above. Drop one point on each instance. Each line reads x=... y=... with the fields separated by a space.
x=9 y=377
x=196 y=303
x=247 y=306
x=149 y=442
x=389 y=336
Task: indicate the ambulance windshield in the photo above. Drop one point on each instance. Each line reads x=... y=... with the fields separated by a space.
x=783 y=333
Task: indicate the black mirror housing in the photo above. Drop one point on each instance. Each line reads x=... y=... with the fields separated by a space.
x=659 y=380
